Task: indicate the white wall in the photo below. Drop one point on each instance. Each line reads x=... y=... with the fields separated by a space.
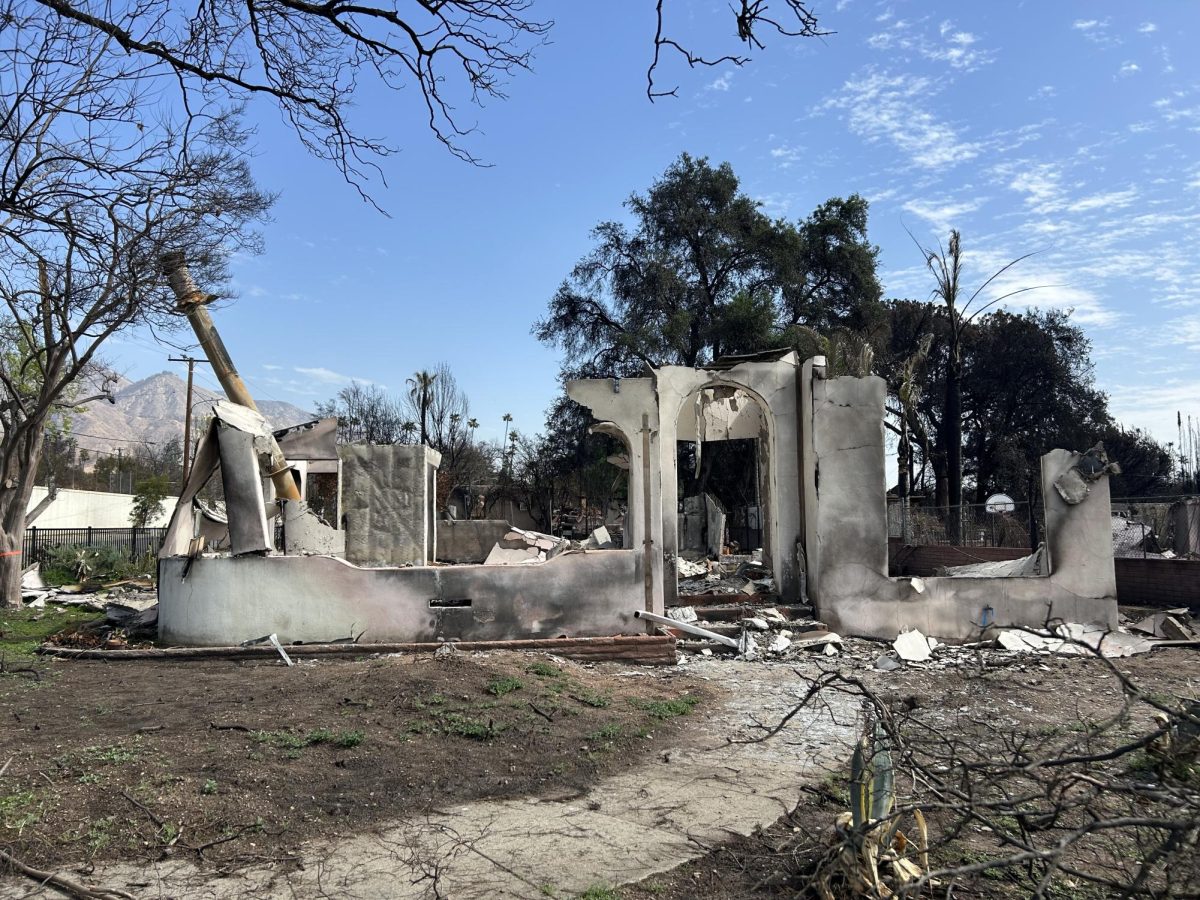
x=99 y=509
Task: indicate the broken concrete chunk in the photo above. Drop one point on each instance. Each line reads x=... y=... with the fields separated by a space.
x=546 y=544
x=501 y=556
x=912 y=646
x=885 y=663
x=1071 y=487
x=757 y=624
x=747 y=646
x=816 y=638
x=831 y=649
x=31 y=579
x=599 y=539
x=682 y=614
x=688 y=569
x=1175 y=630
x=780 y=644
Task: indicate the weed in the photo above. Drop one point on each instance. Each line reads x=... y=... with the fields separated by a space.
x=501 y=686
x=89 y=778
x=610 y=732
x=592 y=698
x=668 y=709
x=209 y=787
x=599 y=892
x=465 y=726
x=348 y=739
x=115 y=754
x=546 y=890
x=283 y=740
x=21 y=809
x=543 y=670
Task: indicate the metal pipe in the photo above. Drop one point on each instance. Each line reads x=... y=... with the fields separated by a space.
x=190 y=301
x=690 y=629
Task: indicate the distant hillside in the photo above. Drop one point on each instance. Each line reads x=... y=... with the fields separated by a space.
x=151 y=410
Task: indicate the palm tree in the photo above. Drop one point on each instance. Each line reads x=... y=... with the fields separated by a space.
x=507 y=417
x=420 y=388
x=408 y=429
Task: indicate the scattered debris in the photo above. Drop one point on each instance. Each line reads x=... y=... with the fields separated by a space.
x=1030 y=566
x=520 y=547
x=600 y=539
x=912 y=646
x=682 y=613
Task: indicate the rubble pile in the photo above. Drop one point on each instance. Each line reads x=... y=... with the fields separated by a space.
x=137 y=593
x=734 y=574
x=765 y=633
x=520 y=547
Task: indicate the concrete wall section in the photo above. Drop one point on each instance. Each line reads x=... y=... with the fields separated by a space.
x=318 y=598
x=385 y=503
x=469 y=541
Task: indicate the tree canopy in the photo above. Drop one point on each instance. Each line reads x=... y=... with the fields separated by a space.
x=700 y=271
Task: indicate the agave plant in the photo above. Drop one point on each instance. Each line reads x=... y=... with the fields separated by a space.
x=873 y=858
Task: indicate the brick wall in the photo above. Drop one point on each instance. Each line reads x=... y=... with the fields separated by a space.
x=1158 y=582
x=1164 y=583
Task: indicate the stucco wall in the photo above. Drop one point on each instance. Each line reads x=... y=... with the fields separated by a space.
x=99 y=509
x=386 y=504
x=226 y=600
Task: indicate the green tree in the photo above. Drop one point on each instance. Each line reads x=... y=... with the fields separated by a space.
x=148 y=497
x=701 y=271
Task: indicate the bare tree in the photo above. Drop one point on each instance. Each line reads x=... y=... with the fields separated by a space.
x=366 y=415
x=95 y=179
x=945 y=263
x=311 y=59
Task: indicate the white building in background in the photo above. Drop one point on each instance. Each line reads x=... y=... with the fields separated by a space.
x=98 y=509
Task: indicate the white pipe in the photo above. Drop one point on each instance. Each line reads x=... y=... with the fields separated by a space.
x=690 y=629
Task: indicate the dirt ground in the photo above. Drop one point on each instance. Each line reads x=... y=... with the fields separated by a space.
x=239 y=763
x=1051 y=698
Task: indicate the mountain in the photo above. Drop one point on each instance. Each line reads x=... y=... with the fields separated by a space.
x=151 y=411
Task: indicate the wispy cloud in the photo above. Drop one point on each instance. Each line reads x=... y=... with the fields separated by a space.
x=1096 y=31
x=721 y=83
x=950 y=45
x=946 y=215
x=1128 y=68
x=328 y=376
x=894 y=108
x=1147 y=28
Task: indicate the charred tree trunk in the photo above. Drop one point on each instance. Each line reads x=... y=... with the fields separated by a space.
x=16 y=487
x=953 y=447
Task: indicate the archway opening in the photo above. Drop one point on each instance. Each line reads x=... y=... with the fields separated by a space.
x=722 y=471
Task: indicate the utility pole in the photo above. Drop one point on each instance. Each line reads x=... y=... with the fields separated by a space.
x=187 y=416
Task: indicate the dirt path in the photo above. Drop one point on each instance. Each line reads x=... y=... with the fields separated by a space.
x=628 y=826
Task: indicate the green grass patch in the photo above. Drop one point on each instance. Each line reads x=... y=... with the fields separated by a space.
x=667 y=709
x=468 y=727
x=593 y=699
x=501 y=686
x=113 y=754
x=22 y=630
x=20 y=809
x=291 y=743
x=599 y=892
x=610 y=732
x=543 y=670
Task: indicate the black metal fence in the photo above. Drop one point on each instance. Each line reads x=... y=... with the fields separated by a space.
x=980 y=526
x=133 y=542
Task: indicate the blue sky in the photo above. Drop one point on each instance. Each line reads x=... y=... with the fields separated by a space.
x=1068 y=128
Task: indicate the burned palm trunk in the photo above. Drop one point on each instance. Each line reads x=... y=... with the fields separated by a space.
x=191 y=301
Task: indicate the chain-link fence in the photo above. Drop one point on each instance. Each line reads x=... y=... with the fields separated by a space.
x=980 y=525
